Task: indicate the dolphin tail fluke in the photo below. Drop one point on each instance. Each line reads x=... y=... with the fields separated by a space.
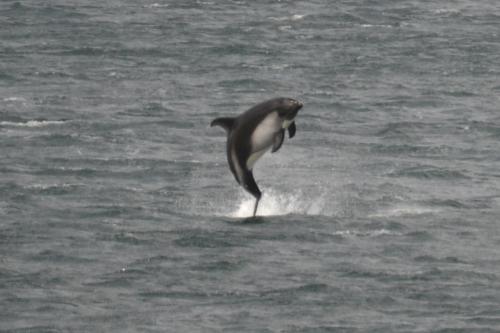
x=255 y=208
x=251 y=186
x=225 y=122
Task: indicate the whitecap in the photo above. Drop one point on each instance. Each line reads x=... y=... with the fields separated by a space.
x=32 y=123
x=53 y=186
x=342 y=233
x=156 y=5
x=404 y=210
x=209 y=3
x=446 y=11
x=376 y=26
x=14 y=99
x=295 y=17
x=369 y=233
x=279 y=66
x=383 y=232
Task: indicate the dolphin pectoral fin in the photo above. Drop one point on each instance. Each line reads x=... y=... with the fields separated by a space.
x=291 y=129
x=225 y=122
x=278 y=140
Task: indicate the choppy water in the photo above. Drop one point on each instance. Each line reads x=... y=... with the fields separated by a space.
x=118 y=212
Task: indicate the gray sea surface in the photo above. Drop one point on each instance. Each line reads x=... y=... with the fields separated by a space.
x=118 y=212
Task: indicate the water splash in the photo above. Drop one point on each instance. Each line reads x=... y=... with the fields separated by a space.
x=274 y=203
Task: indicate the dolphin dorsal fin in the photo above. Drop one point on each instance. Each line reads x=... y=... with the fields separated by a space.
x=226 y=123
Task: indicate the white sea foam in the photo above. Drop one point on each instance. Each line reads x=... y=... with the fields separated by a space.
x=14 y=99
x=32 y=123
x=53 y=186
x=446 y=11
x=297 y=17
x=404 y=210
x=370 y=233
x=156 y=5
x=294 y=17
x=376 y=26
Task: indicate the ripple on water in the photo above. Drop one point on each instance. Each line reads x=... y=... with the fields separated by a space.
x=429 y=172
x=201 y=238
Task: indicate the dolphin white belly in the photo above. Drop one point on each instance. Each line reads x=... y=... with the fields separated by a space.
x=263 y=135
x=255 y=157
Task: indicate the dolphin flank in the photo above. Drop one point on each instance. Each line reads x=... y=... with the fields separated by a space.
x=253 y=133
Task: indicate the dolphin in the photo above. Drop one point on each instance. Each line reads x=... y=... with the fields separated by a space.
x=253 y=133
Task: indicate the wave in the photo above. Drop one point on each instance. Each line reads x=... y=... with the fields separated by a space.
x=429 y=172
x=32 y=123
x=404 y=210
x=295 y=17
x=156 y=5
x=376 y=26
x=14 y=99
x=369 y=233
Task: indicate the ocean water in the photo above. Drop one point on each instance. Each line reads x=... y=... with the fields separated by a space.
x=118 y=212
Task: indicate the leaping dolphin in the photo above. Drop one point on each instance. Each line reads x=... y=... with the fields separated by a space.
x=253 y=133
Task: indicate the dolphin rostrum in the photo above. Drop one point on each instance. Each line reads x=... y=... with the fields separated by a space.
x=253 y=133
